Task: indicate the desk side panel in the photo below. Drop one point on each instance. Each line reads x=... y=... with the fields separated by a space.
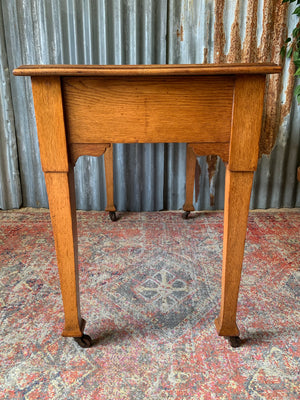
x=148 y=110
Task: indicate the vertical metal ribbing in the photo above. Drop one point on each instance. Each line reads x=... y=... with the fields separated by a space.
x=10 y=185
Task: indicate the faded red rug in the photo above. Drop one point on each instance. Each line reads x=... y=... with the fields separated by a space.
x=150 y=291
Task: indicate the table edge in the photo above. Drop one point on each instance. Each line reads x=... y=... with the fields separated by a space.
x=147 y=70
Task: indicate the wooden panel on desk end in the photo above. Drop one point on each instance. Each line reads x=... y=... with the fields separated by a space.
x=148 y=110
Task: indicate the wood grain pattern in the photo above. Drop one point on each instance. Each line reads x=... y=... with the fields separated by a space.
x=86 y=108
x=59 y=179
x=109 y=179
x=200 y=149
x=50 y=123
x=246 y=122
x=95 y=150
x=148 y=70
x=237 y=199
x=61 y=196
x=148 y=110
x=83 y=149
x=214 y=149
x=190 y=178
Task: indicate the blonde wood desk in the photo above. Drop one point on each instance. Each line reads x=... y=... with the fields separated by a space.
x=82 y=110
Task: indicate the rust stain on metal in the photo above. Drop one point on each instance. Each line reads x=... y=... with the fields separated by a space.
x=273 y=37
x=249 y=53
x=235 y=50
x=205 y=55
x=219 y=33
x=265 y=48
x=197 y=180
x=211 y=165
x=289 y=93
x=274 y=29
x=180 y=33
x=271 y=116
x=219 y=57
x=280 y=29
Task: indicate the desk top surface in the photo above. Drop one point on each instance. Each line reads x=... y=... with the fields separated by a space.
x=147 y=70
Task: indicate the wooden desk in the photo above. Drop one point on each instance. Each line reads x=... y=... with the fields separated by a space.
x=82 y=110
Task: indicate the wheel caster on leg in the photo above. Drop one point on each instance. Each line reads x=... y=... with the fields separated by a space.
x=186 y=214
x=84 y=341
x=113 y=215
x=235 y=341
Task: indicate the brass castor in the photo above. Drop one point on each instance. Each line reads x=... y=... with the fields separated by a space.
x=186 y=214
x=235 y=341
x=84 y=341
x=113 y=215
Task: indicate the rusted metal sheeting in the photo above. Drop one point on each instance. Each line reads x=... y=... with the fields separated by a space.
x=147 y=177
x=248 y=31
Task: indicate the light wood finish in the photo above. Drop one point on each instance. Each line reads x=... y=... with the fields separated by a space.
x=134 y=110
x=95 y=150
x=86 y=149
x=83 y=109
x=243 y=156
x=237 y=198
x=61 y=195
x=109 y=179
x=200 y=149
x=190 y=178
x=147 y=70
x=59 y=179
x=246 y=122
x=211 y=149
x=50 y=123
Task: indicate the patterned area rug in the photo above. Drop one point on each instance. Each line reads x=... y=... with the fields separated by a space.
x=150 y=291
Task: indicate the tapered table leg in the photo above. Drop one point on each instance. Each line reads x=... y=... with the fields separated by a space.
x=61 y=195
x=190 y=180
x=237 y=198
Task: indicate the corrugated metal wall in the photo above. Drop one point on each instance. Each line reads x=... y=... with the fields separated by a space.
x=147 y=177
x=10 y=190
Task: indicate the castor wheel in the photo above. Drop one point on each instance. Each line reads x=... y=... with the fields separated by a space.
x=186 y=214
x=113 y=215
x=84 y=341
x=235 y=341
